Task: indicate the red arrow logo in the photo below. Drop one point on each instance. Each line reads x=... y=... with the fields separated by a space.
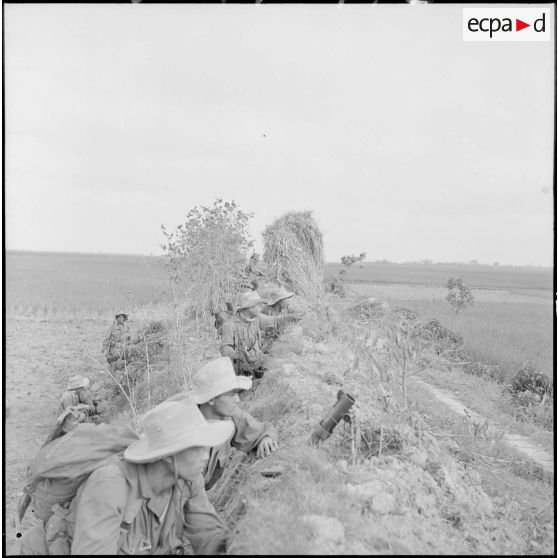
x=519 y=25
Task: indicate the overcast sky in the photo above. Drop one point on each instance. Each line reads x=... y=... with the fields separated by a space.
x=406 y=142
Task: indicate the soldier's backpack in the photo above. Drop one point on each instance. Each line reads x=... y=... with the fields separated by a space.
x=62 y=465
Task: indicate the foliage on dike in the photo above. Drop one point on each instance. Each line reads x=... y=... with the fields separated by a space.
x=207 y=254
x=459 y=296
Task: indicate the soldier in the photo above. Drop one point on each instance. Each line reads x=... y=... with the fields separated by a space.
x=276 y=306
x=215 y=390
x=117 y=344
x=151 y=499
x=241 y=336
x=276 y=301
x=76 y=404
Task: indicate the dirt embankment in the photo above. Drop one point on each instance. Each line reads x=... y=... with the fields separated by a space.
x=407 y=488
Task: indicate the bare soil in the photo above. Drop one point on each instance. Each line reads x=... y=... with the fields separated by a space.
x=41 y=355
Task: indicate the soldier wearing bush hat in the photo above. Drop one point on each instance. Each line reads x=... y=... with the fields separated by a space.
x=215 y=391
x=241 y=337
x=276 y=298
x=75 y=404
x=156 y=490
x=117 y=345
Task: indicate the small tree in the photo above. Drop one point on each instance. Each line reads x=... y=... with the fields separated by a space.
x=348 y=261
x=459 y=296
x=335 y=285
x=207 y=254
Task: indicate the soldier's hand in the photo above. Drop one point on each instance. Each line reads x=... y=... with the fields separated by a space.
x=266 y=447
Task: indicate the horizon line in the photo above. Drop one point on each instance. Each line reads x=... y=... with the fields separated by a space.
x=384 y=261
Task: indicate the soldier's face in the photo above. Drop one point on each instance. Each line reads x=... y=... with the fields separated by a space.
x=226 y=404
x=191 y=462
x=254 y=310
x=120 y=320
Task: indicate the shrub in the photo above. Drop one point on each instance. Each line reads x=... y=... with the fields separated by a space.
x=334 y=284
x=459 y=296
x=207 y=255
x=484 y=370
x=528 y=378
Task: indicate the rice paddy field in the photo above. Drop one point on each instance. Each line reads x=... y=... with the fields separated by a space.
x=512 y=318
x=510 y=322
x=44 y=284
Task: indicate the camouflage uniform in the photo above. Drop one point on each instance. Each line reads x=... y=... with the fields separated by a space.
x=72 y=398
x=241 y=341
x=117 y=345
x=278 y=308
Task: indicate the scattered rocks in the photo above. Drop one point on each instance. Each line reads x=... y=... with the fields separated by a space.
x=294 y=332
x=320 y=348
x=333 y=378
x=356 y=548
x=289 y=369
x=366 y=490
x=328 y=532
x=417 y=456
x=426 y=504
x=383 y=503
x=342 y=465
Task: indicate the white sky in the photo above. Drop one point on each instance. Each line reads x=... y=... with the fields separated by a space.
x=406 y=142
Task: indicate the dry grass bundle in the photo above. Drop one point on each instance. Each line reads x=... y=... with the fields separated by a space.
x=293 y=251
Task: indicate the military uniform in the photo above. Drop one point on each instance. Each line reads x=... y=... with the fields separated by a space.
x=241 y=340
x=130 y=519
x=248 y=434
x=71 y=398
x=118 y=346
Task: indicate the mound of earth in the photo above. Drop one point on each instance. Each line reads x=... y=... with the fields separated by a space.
x=380 y=484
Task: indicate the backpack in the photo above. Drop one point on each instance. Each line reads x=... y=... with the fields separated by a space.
x=62 y=465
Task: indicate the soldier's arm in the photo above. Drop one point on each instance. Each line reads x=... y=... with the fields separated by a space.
x=250 y=432
x=203 y=528
x=106 y=340
x=66 y=400
x=276 y=321
x=85 y=399
x=227 y=341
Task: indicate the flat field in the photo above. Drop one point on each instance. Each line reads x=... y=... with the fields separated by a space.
x=477 y=276
x=511 y=321
x=91 y=285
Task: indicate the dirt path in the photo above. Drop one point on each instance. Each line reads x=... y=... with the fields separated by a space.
x=41 y=355
x=518 y=442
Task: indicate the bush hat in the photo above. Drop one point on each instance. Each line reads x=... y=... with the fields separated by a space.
x=173 y=426
x=77 y=382
x=278 y=294
x=120 y=313
x=249 y=299
x=214 y=379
